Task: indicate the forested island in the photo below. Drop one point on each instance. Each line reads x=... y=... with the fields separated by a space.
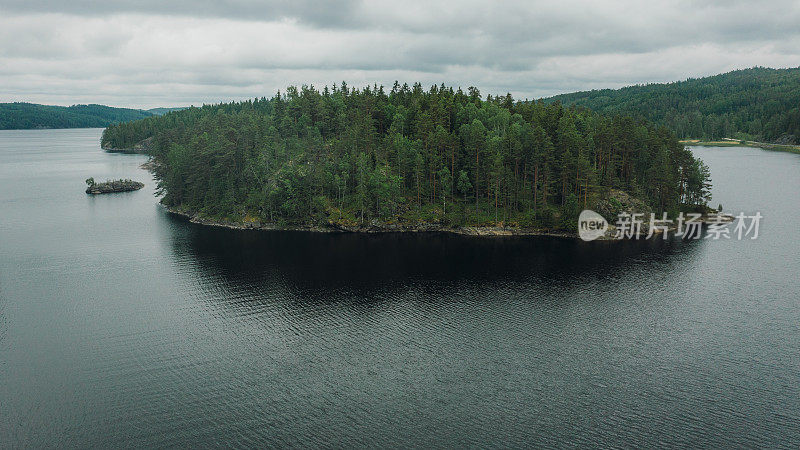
x=112 y=186
x=409 y=159
x=758 y=104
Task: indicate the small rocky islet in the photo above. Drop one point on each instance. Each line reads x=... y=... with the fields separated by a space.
x=112 y=186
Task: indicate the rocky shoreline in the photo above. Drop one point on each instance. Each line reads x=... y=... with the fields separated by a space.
x=373 y=228
x=142 y=148
x=376 y=227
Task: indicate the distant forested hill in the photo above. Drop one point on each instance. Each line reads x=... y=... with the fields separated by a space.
x=15 y=116
x=759 y=104
x=162 y=111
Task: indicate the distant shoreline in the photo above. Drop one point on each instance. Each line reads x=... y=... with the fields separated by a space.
x=52 y=128
x=727 y=142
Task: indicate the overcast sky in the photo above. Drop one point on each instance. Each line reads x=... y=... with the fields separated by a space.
x=149 y=53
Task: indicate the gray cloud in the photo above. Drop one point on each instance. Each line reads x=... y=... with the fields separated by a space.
x=152 y=53
x=320 y=13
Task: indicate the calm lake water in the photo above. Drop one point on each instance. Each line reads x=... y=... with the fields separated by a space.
x=121 y=325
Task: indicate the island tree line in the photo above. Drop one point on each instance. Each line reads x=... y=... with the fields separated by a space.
x=347 y=156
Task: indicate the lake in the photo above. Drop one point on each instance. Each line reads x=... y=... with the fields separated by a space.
x=122 y=325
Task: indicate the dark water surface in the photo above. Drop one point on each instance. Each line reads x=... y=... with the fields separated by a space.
x=121 y=325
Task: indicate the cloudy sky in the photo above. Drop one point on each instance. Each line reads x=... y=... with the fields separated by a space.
x=149 y=53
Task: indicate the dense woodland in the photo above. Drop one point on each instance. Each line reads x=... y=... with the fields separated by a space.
x=755 y=104
x=20 y=116
x=357 y=157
